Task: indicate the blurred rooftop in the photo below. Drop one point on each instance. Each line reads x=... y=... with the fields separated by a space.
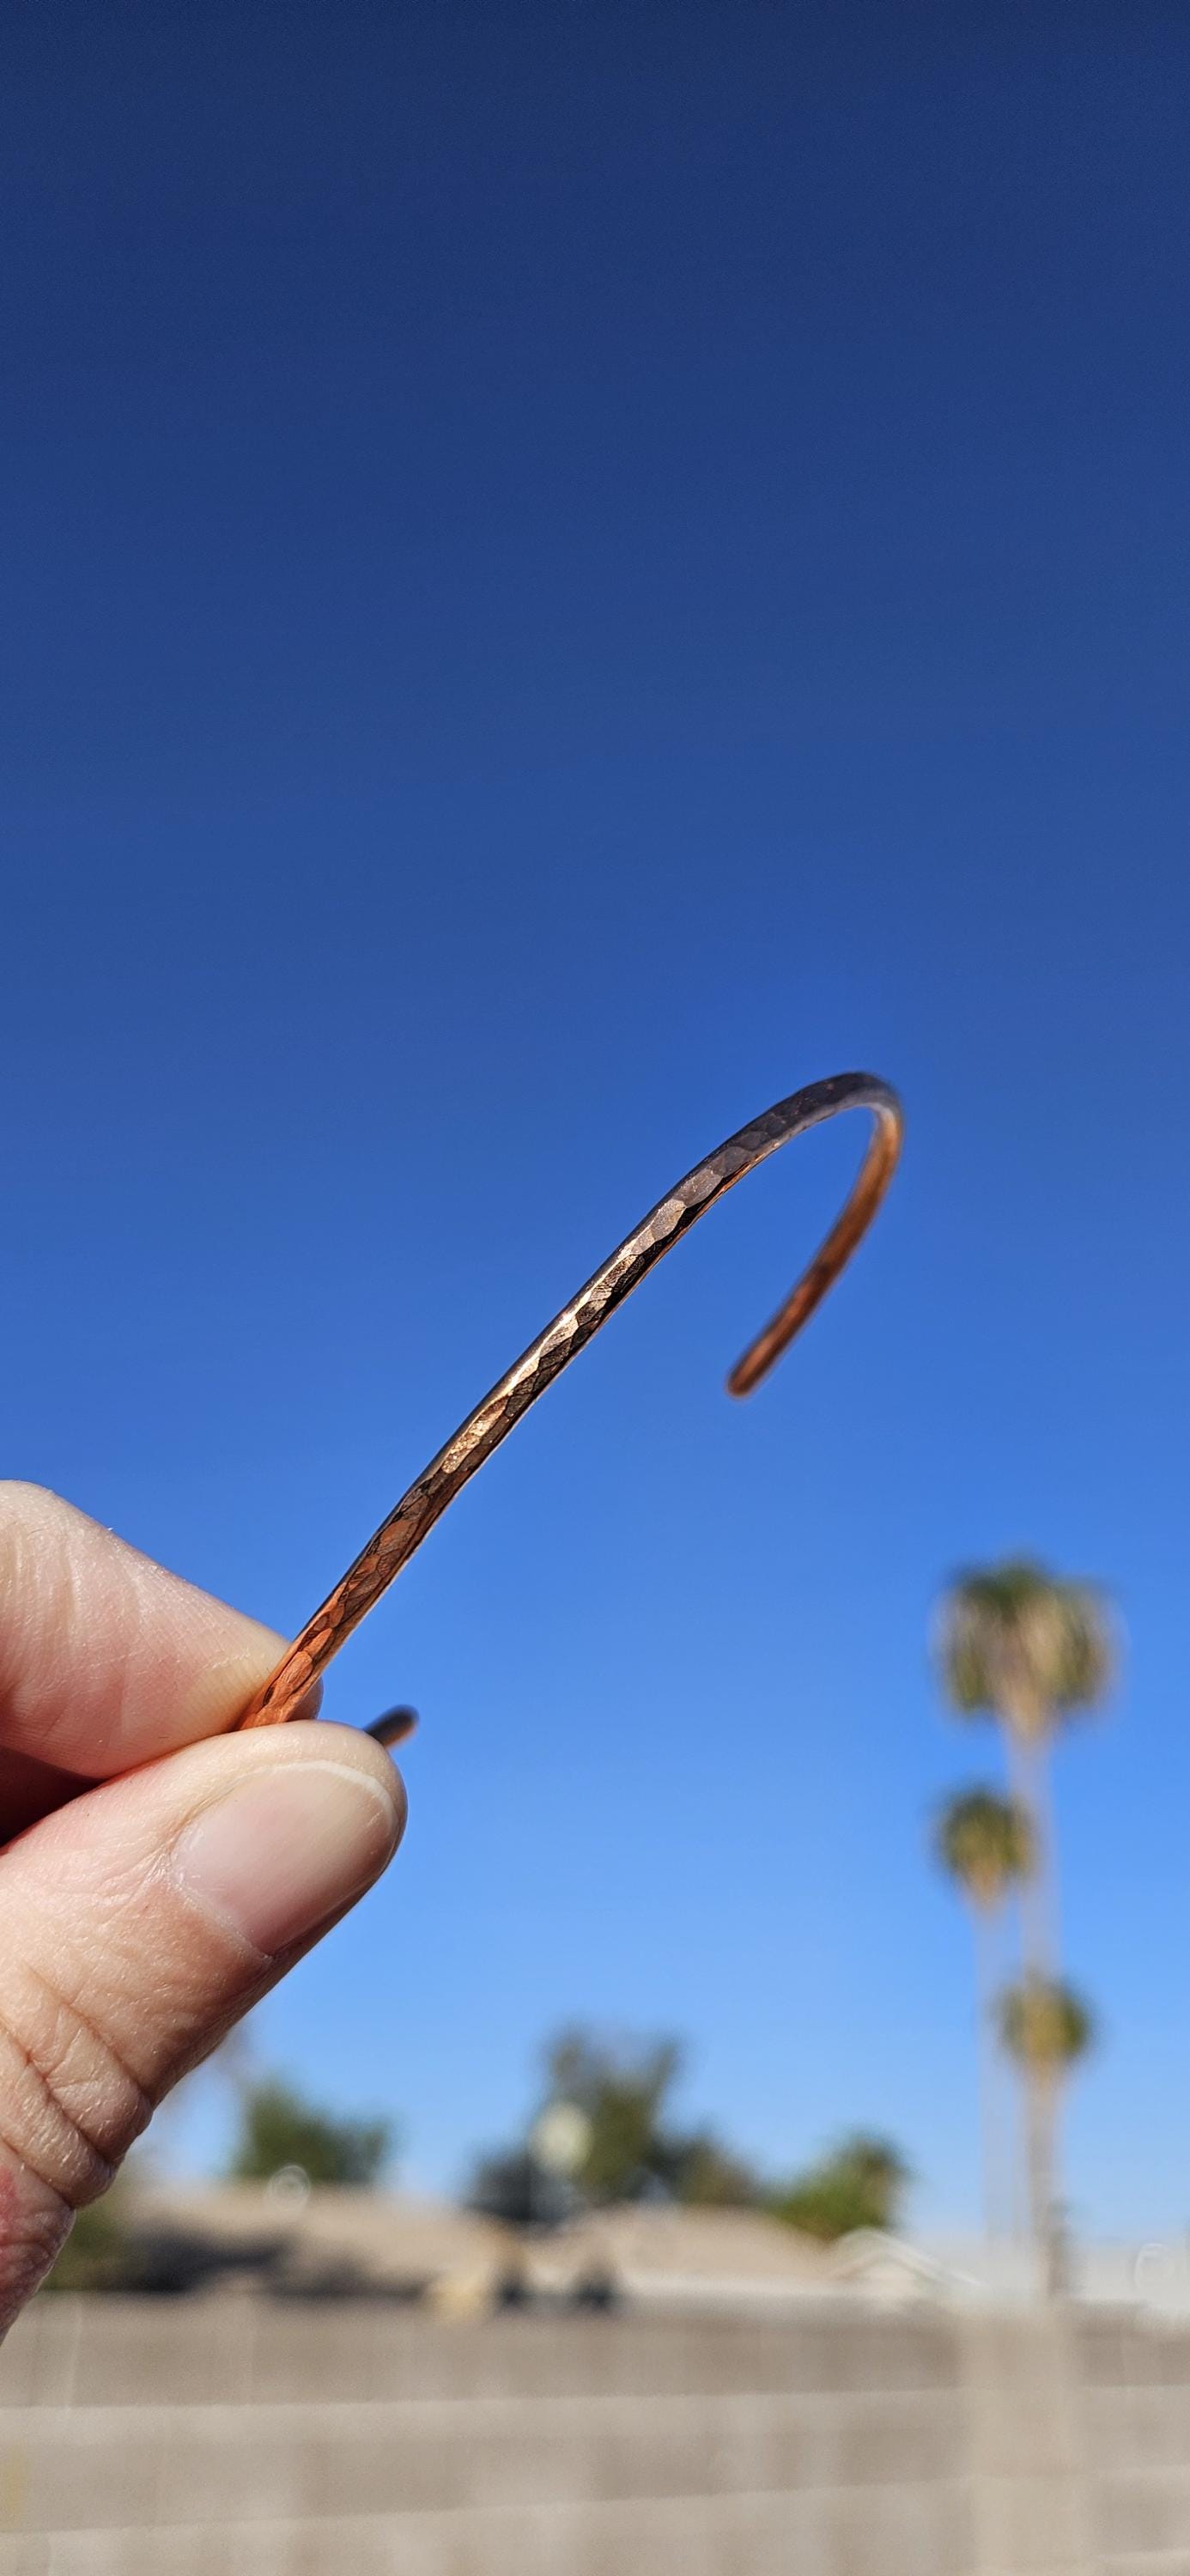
x=334 y=2241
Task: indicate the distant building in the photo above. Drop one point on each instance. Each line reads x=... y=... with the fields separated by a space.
x=333 y=2241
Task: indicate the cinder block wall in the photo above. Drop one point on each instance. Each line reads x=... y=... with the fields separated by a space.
x=238 y=2436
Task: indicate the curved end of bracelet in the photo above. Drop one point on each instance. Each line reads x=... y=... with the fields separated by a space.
x=393 y=1727
x=876 y=1171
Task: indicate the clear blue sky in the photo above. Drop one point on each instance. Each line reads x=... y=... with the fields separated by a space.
x=571 y=568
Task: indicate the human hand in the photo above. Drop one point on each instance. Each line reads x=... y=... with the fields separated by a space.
x=156 y=1876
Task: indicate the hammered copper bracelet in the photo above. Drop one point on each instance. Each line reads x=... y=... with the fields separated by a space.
x=282 y=1695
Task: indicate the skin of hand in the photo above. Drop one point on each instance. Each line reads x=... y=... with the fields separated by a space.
x=157 y=1875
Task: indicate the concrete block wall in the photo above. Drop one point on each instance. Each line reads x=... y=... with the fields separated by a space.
x=201 y=2437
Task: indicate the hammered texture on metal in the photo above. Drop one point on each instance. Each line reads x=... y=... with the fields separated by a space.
x=427 y=1498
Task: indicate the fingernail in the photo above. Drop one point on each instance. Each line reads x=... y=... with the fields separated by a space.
x=284 y=1851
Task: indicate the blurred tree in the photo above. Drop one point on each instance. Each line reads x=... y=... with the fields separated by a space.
x=861 y=2183
x=704 y=2174
x=985 y=1842
x=278 y=2128
x=626 y=2149
x=1029 y=1649
x=1046 y=2027
x=1023 y=1646
x=621 y=2087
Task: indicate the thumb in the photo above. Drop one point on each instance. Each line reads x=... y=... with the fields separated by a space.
x=137 y=1923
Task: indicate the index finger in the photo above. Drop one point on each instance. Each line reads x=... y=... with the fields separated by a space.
x=105 y=1659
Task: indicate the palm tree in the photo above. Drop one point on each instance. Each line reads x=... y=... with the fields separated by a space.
x=1030 y=1649
x=1046 y=2027
x=985 y=1842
